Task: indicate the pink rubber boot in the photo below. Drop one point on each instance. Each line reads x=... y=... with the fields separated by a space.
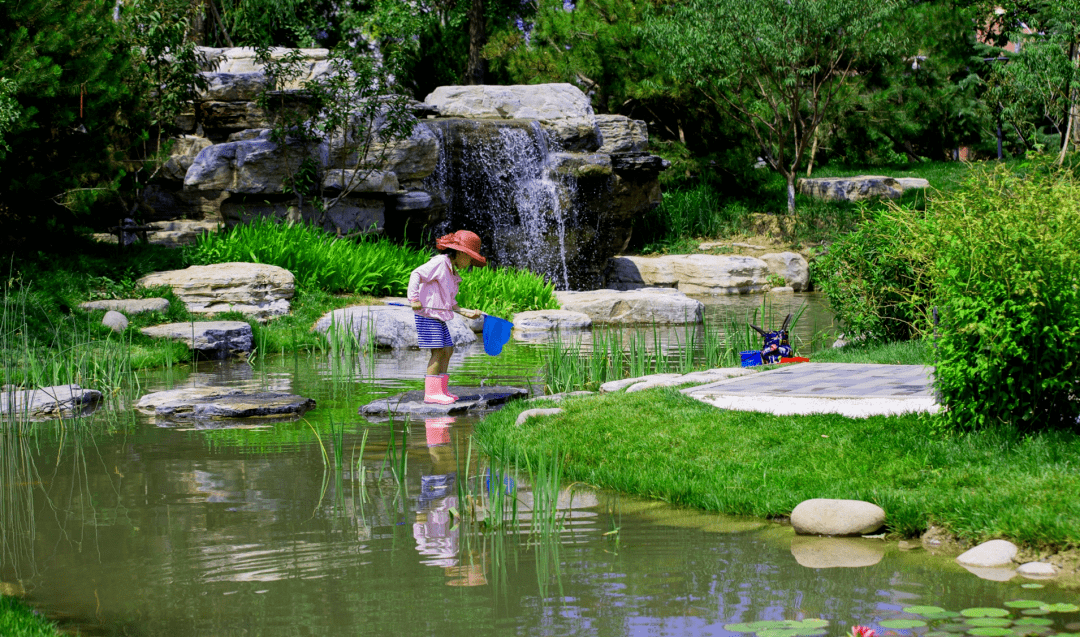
x=433 y=391
x=446 y=385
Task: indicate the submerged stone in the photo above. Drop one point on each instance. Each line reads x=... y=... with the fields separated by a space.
x=471 y=400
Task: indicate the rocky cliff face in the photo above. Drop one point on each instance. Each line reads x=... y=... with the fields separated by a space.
x=546 y=183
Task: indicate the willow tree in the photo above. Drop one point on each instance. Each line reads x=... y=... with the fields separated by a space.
x=776 y=66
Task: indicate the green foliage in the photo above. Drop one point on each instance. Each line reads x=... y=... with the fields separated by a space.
x=872 y=280
x=503 y=292
x=776 y=66
x=19 y=620
x=368 y=265
x=67 y=65
x=1005 y=265
x=289 y=23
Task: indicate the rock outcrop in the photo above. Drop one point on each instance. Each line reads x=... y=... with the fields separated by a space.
x=859 y=187
x=255 y=289
x=211 y=404
x=548 y=184
x=689 y=273
x=792 y=266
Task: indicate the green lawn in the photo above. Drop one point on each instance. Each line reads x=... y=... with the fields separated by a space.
x=662 y=444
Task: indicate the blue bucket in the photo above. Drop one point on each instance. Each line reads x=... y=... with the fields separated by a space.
x=751 y=358
x=496 y=333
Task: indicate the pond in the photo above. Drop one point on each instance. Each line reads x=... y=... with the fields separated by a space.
x=335 y=525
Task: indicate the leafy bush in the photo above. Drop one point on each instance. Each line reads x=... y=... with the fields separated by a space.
x=367 y=266
x=872 y=278
x=1006 y=270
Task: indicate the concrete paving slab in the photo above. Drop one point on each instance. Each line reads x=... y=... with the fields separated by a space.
x=803 y=388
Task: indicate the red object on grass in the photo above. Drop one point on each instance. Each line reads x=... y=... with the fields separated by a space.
x=794 y=359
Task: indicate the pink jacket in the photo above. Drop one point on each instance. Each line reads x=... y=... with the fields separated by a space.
x=435 y=285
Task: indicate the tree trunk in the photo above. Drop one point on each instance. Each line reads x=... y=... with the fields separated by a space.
x=791 y=192
x=813 y=152
x=197 y=28
x=474 y=74
x=1071 y=113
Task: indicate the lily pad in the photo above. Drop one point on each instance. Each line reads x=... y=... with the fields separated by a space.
x=1032 y=585
x=924 y=610
x=1035 y=611
x=1034 y=621
x=740 y=628
x=902 y=624
x=990 y=631
x=953 y=628
x=937 y=633
x=778 y=632
x=1024 y=603
x=984 y=612
x=817 y=622
x=989 y=621
x=1061 y=608
x=1032 y=630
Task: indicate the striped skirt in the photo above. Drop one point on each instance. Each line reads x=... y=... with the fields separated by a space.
x=431 y=333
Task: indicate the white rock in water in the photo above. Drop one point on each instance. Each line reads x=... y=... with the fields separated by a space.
x=989 y=554
x=822 y=516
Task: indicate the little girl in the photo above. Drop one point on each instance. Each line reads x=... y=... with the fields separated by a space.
x=433 y=289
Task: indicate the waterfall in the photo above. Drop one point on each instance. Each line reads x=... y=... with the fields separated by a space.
x=497 y=179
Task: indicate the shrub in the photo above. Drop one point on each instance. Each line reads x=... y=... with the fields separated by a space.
x=503 y=292
x=873 y=280
x=1006 y=270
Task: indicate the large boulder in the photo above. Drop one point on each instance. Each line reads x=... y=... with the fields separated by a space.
x=182 y=154
x=215 y=339
x=644 y=306
x=255 y=289
x=49 y=402
x=251 y=166
x=550 y=320
x=689 y=273
x=790 y=265
x=387 y=326
x=822 y=516
x=562 y=109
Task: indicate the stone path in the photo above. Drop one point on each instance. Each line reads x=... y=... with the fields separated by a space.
x=839 y=388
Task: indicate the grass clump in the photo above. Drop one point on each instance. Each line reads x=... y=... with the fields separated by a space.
x=660 y=443
x=19 y=620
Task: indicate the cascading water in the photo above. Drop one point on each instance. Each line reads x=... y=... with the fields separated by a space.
x=497 y=178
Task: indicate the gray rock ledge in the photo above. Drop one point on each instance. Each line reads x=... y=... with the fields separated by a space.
x=217 y=339
x=223 y=403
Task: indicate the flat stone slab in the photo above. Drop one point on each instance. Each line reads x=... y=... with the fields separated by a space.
x=215 y=338
x=49 y=402
x=672 y=380
x=223 y=403
x=471 y=400
x=664 y=306
x=128 y=306
x=255 y=289
x=689 y=273
x=853 y=390
x=550 y=320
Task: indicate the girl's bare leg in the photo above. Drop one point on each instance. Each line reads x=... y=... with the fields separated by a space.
x=439 y=361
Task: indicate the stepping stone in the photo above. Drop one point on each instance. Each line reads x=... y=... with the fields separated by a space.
x=255 y=289
x=217 y=339
x=127 y=306
x=471 y=400
x=205 y=404
x=550 y=320
x=49 y=402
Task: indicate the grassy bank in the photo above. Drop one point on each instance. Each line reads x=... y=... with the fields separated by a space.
x=19 y=620
x=661 y=444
